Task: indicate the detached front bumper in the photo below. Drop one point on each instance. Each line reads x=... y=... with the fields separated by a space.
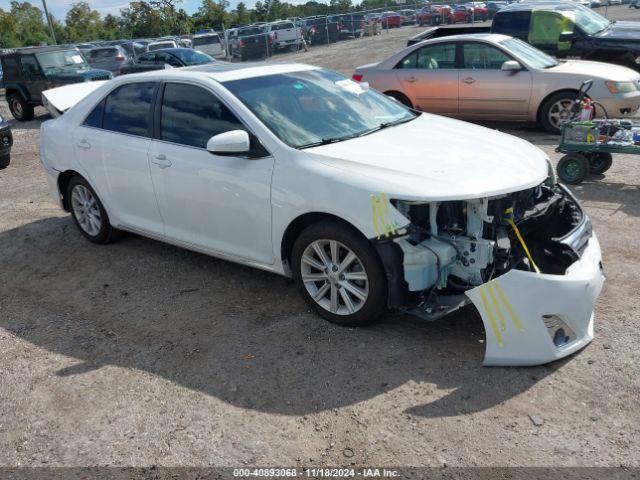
x=532 y=319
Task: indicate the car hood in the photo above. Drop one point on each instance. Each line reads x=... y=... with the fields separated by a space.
x=437 y=158
x=628 y=31
x=75 y=76
x=595 y=70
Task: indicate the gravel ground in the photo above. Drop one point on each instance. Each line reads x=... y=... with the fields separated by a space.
x=139 y=353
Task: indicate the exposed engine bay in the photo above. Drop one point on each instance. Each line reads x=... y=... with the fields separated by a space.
x=453 y=246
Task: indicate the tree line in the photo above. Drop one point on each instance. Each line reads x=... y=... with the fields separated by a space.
x=25 y=24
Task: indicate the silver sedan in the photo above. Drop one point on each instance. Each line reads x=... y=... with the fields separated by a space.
x=497 y=77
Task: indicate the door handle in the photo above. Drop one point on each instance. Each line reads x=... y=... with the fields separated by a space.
x=83 y=144
x=410 y=79
x=469 y=80
x=161 y=160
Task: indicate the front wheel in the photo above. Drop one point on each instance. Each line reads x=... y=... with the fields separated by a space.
x=557 y=110
x=339 y=274
x=573 y=168
x=19 y=108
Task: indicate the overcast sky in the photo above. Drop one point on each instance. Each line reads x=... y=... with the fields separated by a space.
x=58 y=8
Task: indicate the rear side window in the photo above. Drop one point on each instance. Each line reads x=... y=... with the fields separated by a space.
x=515 y=24
x=191 y=116
x=94 y=119
x=128 y=109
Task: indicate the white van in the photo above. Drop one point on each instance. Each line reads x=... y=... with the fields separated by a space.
x=208 y=43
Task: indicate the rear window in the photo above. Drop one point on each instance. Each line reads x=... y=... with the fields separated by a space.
x=103 y=53
x=282 y=26
x=208 y=40
x=158 y=46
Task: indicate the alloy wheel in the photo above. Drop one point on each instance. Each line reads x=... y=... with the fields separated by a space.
x=560 y=112
x=334 y=277
x=17 y=107
x=86 y=210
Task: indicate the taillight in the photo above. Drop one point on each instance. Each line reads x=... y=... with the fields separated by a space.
x=357 y=77
x=270 y=39
x=241 y=43
x=91 y=60
x=119 y=58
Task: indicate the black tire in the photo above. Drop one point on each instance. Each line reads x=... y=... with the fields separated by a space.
x=107 y=233
x=600 y=163
x=568 y=95
x=376 y=302
x=19 y=108
x=401 y=97
x=573 y=168
x=4 y=161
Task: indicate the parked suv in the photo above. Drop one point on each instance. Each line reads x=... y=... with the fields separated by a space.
x=29 y=71
x=6 y=140
x=111 y=58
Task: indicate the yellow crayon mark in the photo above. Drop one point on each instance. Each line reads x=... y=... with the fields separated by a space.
x=494 y=300
x=380 y=213
x=492 y=320
x=506 y=303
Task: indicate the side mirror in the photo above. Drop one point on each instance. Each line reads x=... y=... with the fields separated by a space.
x=511 y=66
x=229 y=143
x=566 y=37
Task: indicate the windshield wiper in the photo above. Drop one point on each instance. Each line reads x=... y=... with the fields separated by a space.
x=325 y=141
x=384 y=125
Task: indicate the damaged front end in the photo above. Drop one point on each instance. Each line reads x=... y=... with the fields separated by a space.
x=527 y=260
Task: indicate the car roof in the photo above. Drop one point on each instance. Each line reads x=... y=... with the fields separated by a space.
x=540 y=5
x=226 y=71
x=28 y=50
x=489 y=37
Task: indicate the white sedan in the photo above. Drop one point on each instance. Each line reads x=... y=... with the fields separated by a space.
x=497 y=77
x=367 y=205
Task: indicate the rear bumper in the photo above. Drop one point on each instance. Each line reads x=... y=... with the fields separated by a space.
x=523 y=312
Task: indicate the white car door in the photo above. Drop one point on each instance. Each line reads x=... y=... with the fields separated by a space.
x=113 y=144
x=487 y=91
x=429 y=77
x=219 y=203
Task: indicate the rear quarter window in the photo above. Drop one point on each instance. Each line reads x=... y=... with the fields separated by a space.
x=515 y=24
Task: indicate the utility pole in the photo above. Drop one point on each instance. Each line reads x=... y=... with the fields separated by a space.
x=46 y=13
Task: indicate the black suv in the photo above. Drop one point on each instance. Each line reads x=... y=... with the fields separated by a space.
x=6 y=140
x=27 y=72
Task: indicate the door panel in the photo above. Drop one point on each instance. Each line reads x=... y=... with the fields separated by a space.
x=430 y=79
x=485 y=90
x=220 y=203
x=113 y=146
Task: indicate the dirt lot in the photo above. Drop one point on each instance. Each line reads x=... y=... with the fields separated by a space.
x=139 y=353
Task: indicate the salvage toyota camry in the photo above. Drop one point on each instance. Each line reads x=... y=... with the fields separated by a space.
x=368 y=205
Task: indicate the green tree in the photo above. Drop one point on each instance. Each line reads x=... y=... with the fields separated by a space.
x=141 y=20
x=82 y=23
x=212 y=14
x=241 y=15
x=8 y=30
x=30 y=26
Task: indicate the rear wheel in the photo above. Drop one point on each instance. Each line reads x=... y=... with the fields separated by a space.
x=339 y=274
x=600 y=163
x=573 y=168
x=88 y=212
x=19 y=108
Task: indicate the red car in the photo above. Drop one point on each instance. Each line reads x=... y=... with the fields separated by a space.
x=479 y=11
x=391 y=20
x=461 y=14
x=435 y=14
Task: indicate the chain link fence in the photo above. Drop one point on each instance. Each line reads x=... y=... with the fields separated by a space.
x=263 y=40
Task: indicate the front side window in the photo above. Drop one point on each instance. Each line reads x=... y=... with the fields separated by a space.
x=479 y=56
x=431 y=57
x=546 y=28
x=316 y=106
x=128 y=109
x=192 y=115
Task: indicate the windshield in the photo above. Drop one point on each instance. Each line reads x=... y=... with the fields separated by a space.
x=62 y=59
x=207 y=40
x=316 y=106
x=528 y=54
x=586 y=19
x=192 y=57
